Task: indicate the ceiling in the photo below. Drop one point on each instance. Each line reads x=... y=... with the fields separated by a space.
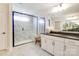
x=45 y=8
x=39 y=6
x=42 y=8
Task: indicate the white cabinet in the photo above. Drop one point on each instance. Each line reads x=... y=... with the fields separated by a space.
x=67 y=50
x=71 y=47
x=74 y=51
x=59 y=46
x=43 y=42
x=53 y=45
x=50 y=46
x=77 y=51
x=47 y=43
x=67 y=47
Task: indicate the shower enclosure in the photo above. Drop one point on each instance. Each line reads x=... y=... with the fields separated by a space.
x=26 y=27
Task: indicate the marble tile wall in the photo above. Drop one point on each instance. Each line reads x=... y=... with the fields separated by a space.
x=24 y=30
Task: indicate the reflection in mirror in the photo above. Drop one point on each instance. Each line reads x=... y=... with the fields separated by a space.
x=71 y=25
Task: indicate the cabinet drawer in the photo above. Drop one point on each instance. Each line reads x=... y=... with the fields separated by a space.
x=67 y=49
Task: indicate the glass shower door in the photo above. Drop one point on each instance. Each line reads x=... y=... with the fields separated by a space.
x=25 y=28
x=41 y=25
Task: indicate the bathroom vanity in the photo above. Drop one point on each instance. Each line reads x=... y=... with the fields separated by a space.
x=60 y=43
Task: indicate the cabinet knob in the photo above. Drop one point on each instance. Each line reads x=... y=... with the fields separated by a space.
x=3 y=33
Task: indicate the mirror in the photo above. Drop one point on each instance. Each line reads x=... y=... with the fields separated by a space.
x=71 y=25
x=67 y=25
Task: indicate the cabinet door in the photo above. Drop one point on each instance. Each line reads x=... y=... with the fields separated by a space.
x=43 y=42
x=67 y=50
x=71 y=47
x=59 y=46
x=50 y=45
x=74 y=48
x=67 y=47
x=77 y=51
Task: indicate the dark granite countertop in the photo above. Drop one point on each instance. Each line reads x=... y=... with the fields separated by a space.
x=64 y=35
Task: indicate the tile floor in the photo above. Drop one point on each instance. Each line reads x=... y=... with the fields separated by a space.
x=29 y=49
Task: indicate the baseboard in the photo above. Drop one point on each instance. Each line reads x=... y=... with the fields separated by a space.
x=4 y=51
